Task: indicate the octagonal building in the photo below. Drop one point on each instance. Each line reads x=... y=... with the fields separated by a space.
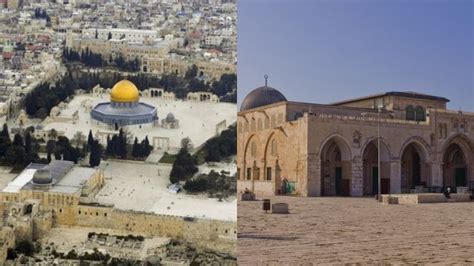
x=124 y=108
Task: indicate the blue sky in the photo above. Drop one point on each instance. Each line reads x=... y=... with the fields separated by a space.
x=324 y=51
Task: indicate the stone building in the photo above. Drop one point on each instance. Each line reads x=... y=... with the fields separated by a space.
x=332 y=149
x=63 y=194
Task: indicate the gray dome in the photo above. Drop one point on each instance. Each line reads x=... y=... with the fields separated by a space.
x=42 y=177
x=260 y=97
x=170 y=118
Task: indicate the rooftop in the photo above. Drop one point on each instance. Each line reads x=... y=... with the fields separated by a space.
x=407 y=94
x=66 y=177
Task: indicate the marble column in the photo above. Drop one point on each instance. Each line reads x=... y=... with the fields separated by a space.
x=356 y=180
x=436 y=174
x=395 y=177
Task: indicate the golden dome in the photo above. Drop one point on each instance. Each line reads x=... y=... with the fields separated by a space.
x=124 y=91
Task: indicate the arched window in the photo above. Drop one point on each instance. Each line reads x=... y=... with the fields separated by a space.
x=280 y=118
x=253 y=149
x=252 y=125
x=259 y=124
x=420 y=114
x=274 y=151
x=410 y=113
x=273 y=121
x=267 y=123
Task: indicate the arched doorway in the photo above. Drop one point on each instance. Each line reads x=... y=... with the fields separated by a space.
x=412 y=168
x=455 y=171
x=370 y=171
x=336 y=168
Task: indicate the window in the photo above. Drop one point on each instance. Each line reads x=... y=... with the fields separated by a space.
x=274 y=148
x=273 y=122
x=420 y=114
x=253 y=149
x=249 y=173
x=280 y=118
x=269 y=174
x=410 y=113
x=257 y=173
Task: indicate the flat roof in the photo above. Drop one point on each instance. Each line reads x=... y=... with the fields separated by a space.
x=20 y=181
x=74 y=180
x=408 y=94
x=67 y=178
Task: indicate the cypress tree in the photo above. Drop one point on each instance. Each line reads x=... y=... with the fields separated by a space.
x=96 y=153
x=90 y=140
x=136 y=149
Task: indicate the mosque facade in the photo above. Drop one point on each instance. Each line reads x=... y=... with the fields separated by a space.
x=124 y=109
x=311 y=149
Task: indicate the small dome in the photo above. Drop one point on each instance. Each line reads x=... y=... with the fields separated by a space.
x=260 y=97
x=124 y=91
x=170 y=118
x=42 y=177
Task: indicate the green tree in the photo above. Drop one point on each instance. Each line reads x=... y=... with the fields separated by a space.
x=184 y=167
x=5 y=141
x=18 y=140
x=96 y=154
x=191 y=72
x=136 y=149
x=90 y=140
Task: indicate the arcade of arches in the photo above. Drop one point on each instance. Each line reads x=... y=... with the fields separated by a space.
x=339 y=167
x=307 y=149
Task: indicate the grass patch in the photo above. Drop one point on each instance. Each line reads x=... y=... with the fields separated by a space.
x=168 y=158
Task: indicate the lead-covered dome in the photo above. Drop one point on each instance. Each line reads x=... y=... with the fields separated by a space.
x=124 y=91
x=260 y=97
x=42 y=177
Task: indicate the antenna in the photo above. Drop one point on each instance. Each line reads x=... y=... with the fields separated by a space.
x=266 y=79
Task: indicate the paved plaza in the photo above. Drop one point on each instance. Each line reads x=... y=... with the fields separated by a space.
x=143 y=187
x=336 y=230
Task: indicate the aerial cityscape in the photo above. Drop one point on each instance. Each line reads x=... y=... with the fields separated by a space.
x=118 y=132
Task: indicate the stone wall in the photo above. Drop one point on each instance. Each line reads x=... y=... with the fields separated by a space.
x=7 y=240
x=202 y=232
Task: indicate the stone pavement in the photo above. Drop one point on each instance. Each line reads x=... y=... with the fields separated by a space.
x=332 y=230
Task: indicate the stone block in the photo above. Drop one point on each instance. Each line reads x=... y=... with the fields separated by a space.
x=281 y=208
x=248 y=196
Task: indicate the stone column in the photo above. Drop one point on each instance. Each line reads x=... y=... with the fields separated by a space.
x=436 y=174
x=395 y=177
x=313 y=176
x=356 y=180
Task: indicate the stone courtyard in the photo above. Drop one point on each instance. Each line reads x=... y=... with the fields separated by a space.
x=338 y=230
x=145 y=190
